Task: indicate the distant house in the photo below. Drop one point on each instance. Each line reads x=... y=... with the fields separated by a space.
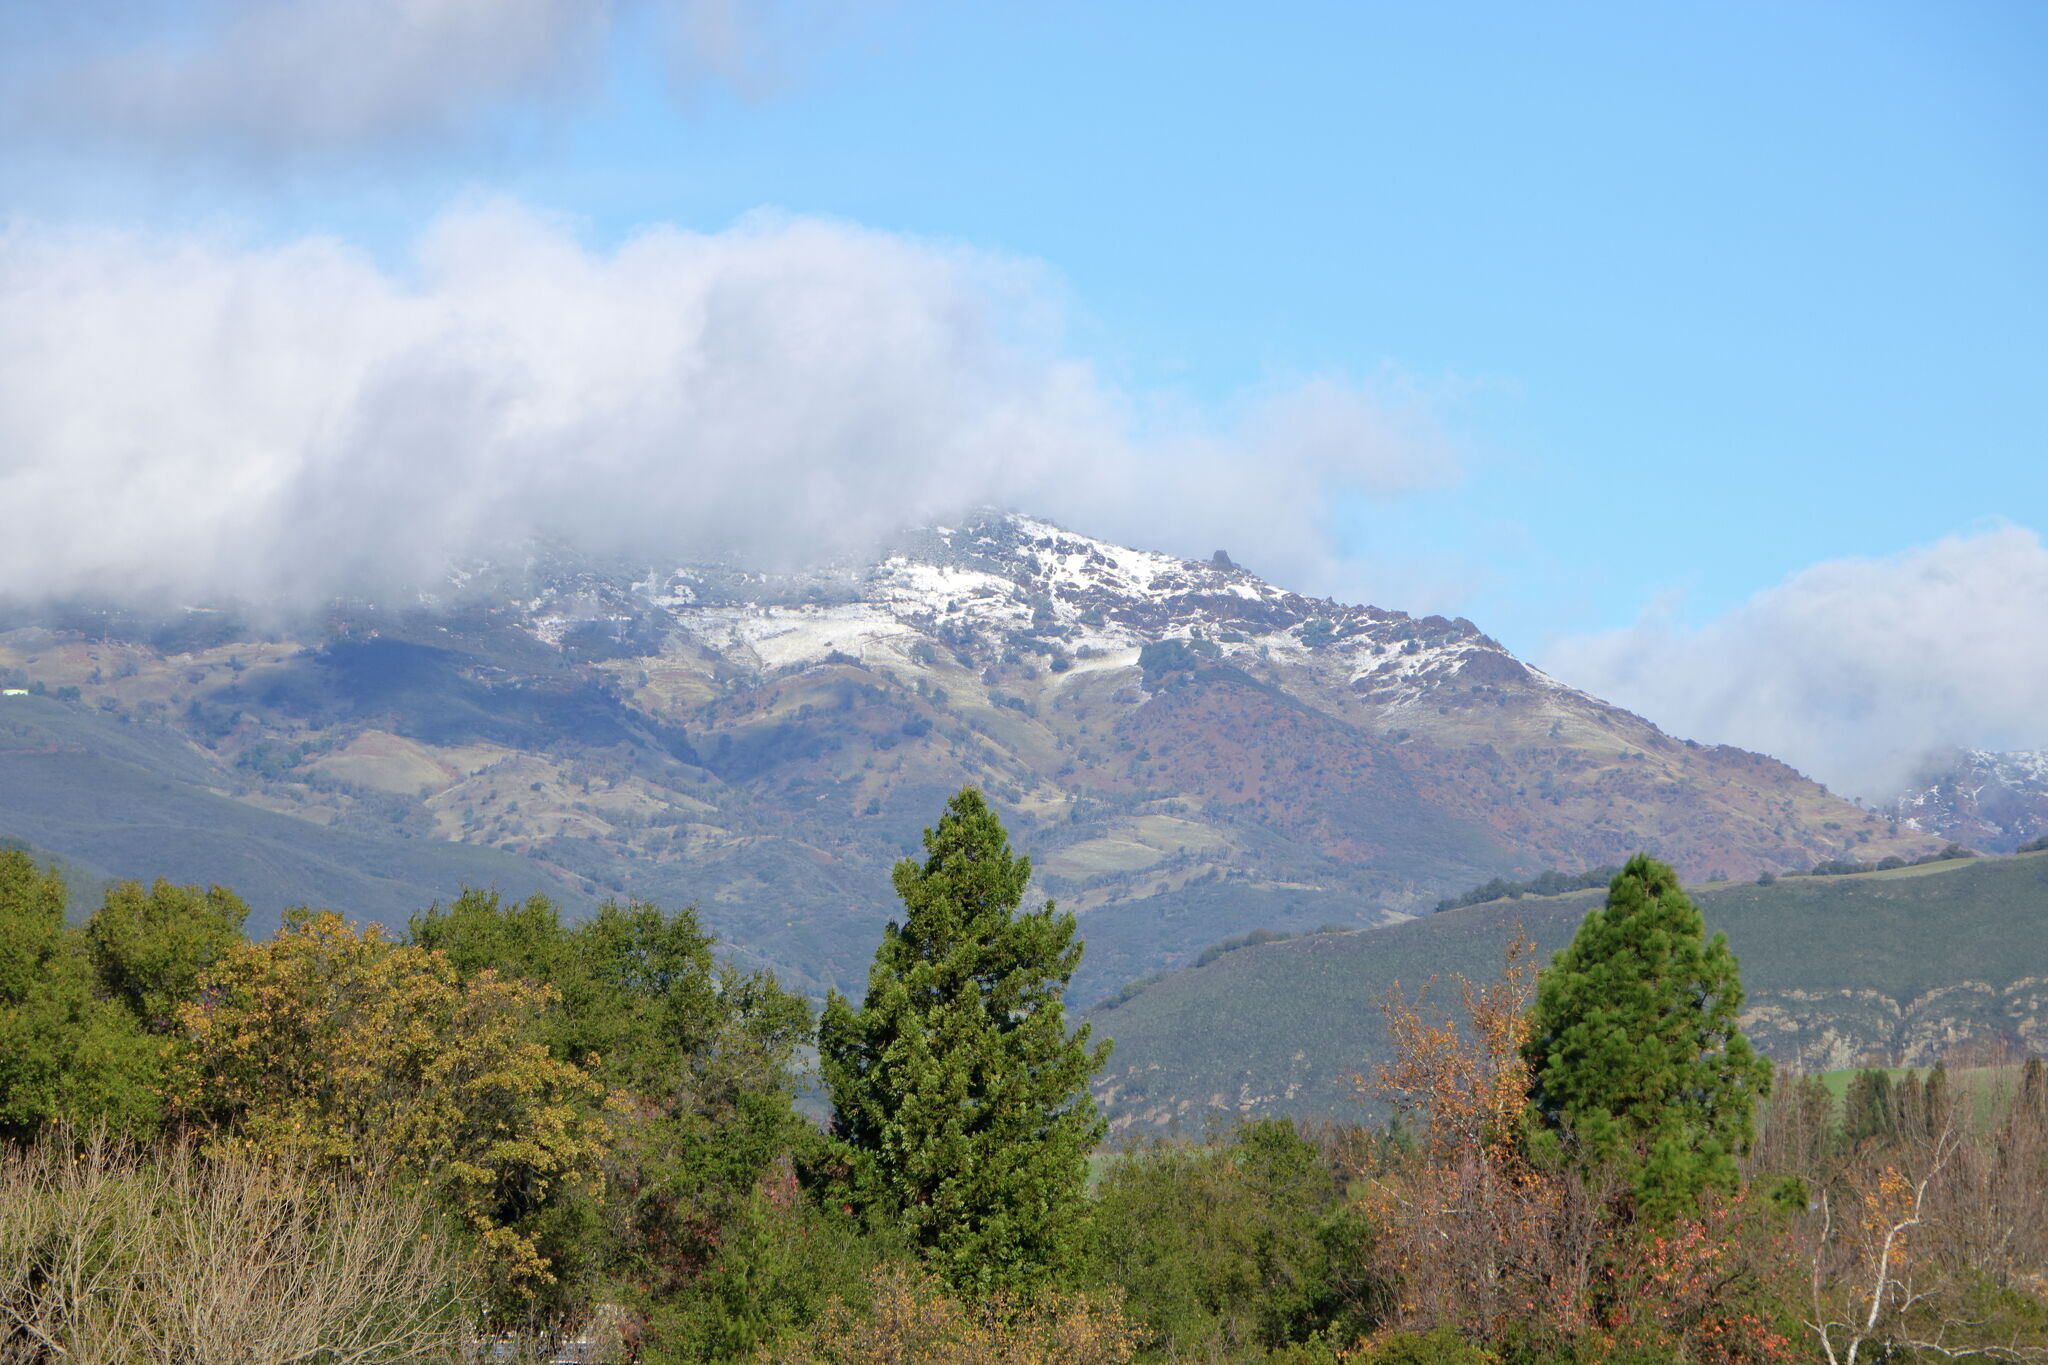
x=13 y=691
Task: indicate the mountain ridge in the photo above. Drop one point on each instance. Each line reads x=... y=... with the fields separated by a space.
x=1188 y=750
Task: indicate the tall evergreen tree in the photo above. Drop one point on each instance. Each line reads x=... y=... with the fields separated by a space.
x=960 y=1101
x=1635 y=1051
x=1868 y=1108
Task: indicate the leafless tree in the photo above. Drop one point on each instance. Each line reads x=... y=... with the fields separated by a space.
x=1898 y=1238
x=115 y=1255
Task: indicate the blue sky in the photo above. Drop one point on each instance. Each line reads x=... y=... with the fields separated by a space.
x=1648 y=314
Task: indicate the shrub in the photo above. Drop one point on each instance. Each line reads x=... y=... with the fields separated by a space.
x=116 y=1253
x=1439 y=1346
x=912 y=1320
x=1228 y=1249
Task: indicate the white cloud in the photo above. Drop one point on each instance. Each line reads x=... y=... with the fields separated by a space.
x=193 y=415
x=1852 y=669
x=273 y=77
x=270 y=81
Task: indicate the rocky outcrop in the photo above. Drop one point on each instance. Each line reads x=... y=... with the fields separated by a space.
x=1826 y=1030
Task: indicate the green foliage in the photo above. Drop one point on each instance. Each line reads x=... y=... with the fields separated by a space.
x=1849 y=867
x=66 y=1054
x=782 y=1262
x=1438 y=1346
x=1868 y=1108
x=699 y=1060
x=1549 y=882
x=913 y=1318
x=960 y=1102
x=332 y=1043
x=1229 y=1249
x=150 y=948
x=1251 y=939
x=1635 y=1051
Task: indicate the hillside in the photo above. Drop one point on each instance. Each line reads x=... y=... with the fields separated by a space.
x=1886 y=967
x=1186 y=750
x=113 y=801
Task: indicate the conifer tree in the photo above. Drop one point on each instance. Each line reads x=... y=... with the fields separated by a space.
x=1868 y=1109
x=960 y=1101
x=1635 y=1051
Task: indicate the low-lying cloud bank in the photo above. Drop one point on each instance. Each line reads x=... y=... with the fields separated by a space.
x=1852 y=670
x=191 y=415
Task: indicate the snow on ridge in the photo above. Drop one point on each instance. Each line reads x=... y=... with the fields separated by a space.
x=1015 y=581
x=2024 y=767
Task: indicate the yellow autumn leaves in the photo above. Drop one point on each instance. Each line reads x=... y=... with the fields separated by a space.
x=334 y=1042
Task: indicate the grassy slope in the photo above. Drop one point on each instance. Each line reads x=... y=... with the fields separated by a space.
x=1283 y=1024
x=132 y=801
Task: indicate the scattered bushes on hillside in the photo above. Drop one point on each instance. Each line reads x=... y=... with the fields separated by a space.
x=1161 y=659
x=1849 y=867
x=1547 y=883
x=1246 y=940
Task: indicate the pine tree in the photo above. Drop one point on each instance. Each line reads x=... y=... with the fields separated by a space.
x=1635 y=1050
x=960 y=1101
x=1868 y=1108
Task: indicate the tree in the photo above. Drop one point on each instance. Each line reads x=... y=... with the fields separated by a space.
x=698 y=1059
x=1228 y=1250
x=66 y=1055
x=960 y=1101
x=1635 y=1051
x=330 y=1042
x=1472 y=1235
x=1868 y=1109
x=150 y=948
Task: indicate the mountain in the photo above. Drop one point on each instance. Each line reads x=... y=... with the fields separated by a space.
x=1981 y=799
x=1186 y=750
x=1893 y=968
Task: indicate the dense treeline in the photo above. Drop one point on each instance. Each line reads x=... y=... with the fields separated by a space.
x=499 y=1132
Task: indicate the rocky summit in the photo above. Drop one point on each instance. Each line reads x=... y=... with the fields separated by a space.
x=1987 y=800
x=1187 y=751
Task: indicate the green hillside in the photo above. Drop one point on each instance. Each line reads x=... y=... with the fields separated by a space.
x=112 y=800
x=1893 y=965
